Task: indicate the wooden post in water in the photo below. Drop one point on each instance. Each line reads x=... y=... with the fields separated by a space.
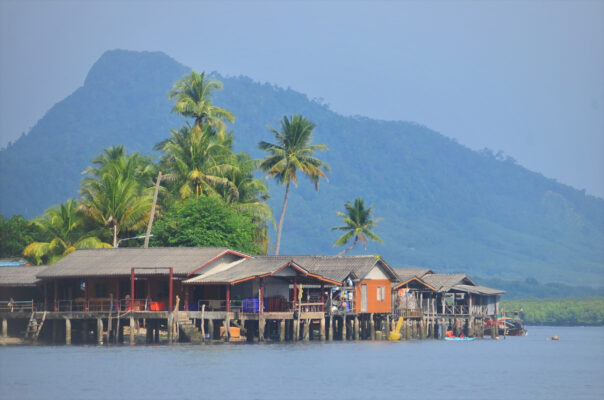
x=211 y=328
x=99 y=331
x=227 y=329
x=306 y=330
x=4 y=327
x=203 y=321
x=282 y=330
x=132 y=338
x=149 y=338
x=67 y=331
x=356 y=327
x=344 y=331
x=330 y=328
x=372 y=326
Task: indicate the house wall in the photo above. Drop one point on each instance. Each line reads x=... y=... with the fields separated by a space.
x=373 y=305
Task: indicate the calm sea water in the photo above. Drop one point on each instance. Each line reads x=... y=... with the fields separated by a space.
x=531 y=367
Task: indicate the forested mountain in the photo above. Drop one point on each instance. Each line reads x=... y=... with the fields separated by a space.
x=443 y=205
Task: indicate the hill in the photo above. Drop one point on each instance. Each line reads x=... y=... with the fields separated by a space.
x=443 y=205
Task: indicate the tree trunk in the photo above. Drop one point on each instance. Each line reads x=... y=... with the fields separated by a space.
x=280 y=228
x=356 y=240
x=150 y=225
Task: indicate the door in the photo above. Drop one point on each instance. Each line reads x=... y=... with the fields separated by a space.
x=363 y=298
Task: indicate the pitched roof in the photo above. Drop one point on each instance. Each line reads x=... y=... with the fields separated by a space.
x=339 y=268
x=408 y=273
x=118 y=262
x=251 y=268
x=478 y=290
x=444 y=282
x=20 y=276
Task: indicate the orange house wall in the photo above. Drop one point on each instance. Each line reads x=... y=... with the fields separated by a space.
x=373 y=305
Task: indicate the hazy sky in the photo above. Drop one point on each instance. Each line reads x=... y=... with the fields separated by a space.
x=523 y=77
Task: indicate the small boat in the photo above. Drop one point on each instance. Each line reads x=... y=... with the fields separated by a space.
x=455 y=338
x=506 y=326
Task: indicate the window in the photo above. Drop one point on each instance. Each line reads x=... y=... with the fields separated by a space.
x=381 y=293
x=100 y=290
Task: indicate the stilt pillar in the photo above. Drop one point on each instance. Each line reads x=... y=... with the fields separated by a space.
x=306 y=332
x=211 y=328
x=282 y=330
x=261 y=327
x=344 y=333
x=4 y=327
x=67 y=331
x=372 y=326
x=132 y=338
x=99 y=331
x=149 y=336
x=330 y=329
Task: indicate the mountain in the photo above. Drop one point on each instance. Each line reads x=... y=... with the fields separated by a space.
x=443 y=205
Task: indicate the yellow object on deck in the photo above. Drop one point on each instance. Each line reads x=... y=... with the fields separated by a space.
x=396 y=334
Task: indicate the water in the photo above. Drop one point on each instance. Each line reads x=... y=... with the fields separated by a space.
x=532 y=367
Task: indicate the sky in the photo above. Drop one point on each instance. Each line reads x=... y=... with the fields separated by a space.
x=522 y=77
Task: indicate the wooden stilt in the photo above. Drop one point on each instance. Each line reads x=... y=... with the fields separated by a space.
x=149 y=338
x=203 y=321
x=261 y=326
x=99 y=331
x=282 y=330
x=4 y=327
x=296 y=333
x=356 y=328
x=372 y=326
x=306 y=332
x=67 y=331
x=322 y=329
x=156 y=331
x=132 y=338
x=330 y=329
x=344 y=330
x=211 y=328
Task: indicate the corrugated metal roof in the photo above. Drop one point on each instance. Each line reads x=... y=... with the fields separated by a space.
x=339 y=268
x=20 y=276
x=408 y=273
x=478 y=290
x=247 y=269
x=118 y=262
x=444 y=282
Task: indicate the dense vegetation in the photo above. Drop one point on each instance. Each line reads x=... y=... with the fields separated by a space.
x=443 y=206
x=530 y=287
x=206 y=221
x=570 y=311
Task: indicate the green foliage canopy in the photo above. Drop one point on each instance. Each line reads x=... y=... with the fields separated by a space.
x=205 y=221
x=16 y=233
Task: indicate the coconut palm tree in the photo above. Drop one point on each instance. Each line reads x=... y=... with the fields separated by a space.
x=192 y=95
x=196 y=162
x=358 y=223
x=292 y=153
x=118 y=193
x=64 y=227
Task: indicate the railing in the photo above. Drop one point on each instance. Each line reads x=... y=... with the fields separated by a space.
x=409 y=312
x=456 y=309
x=16 y=306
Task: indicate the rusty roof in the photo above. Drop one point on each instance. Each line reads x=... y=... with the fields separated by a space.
x=444 y=282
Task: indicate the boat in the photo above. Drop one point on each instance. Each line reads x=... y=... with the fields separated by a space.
x=506 y=326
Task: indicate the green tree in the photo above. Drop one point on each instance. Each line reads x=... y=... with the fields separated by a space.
x=358 y=224
x=192 y=95
x=16 y=233
x=64 y=224
x=205 y=221
x=196 y=162
x=114 y=195
x=292 y=153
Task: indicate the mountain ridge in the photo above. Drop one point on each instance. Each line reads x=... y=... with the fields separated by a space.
x=444 y=205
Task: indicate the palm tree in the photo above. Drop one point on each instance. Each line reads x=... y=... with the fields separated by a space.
x=358 y=224
x=192 y=95
x=64 y=227
x=292 y=153
x=196 y=162
x=118 y=193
